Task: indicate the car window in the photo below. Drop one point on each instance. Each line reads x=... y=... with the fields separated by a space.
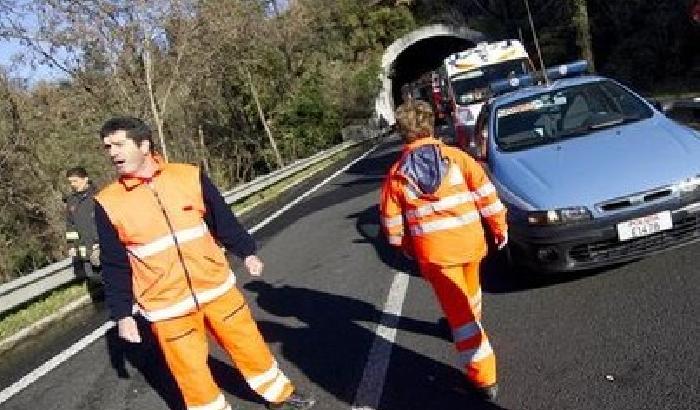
x=472 y=87
x=573 y=111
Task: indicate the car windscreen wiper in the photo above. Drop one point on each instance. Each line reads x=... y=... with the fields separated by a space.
x=615 y=121
x=521 y=143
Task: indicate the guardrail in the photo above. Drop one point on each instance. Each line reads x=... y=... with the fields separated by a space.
x=46 y=279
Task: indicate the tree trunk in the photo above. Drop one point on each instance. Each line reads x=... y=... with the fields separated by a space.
x=203 y=150
x=278 y=157
x=583 y=31
x=154 y=107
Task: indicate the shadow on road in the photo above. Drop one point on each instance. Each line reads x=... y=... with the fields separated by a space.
x=498 y=277
x=148 y=360
x=331 y=341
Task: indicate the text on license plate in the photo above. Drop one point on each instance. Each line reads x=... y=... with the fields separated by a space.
x=644 y=226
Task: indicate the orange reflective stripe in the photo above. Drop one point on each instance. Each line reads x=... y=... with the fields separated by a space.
x=278 y=387
x=276 y=380
x=492 y=209
x=167 y=241
x=467 y=331
x=477 y=354
x=184 y=306
x=396 y=240
x=445 y=223
x=441 y=205
x=485 y=190
x=455 y=176
x=269 y=375
x=389 y=222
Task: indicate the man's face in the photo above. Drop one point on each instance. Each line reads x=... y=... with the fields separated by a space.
x=127 y=157
x=78 y=184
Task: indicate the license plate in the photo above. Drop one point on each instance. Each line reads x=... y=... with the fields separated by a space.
x=644 y=226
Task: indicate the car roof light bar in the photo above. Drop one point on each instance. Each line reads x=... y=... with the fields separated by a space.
x=573 y=69
x=510 y=84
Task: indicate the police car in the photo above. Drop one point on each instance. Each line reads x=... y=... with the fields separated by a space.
x=591 y=173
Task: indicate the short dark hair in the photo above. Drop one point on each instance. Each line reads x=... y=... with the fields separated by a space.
x=136 y=129
x=79 y=172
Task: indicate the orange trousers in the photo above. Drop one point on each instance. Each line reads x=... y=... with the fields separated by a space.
x=458 y=291
x=183 y=341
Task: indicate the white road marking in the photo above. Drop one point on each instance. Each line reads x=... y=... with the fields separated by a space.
x=57 y=360
x=309 y=192
x=369 y=393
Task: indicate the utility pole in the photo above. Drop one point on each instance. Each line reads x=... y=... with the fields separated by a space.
x=583 y=31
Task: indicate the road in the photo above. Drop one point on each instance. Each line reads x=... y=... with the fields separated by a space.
x=620 y=338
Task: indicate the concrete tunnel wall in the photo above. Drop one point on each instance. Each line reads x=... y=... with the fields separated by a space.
x=384 y=104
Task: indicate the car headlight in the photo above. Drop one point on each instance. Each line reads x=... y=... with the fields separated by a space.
x=689 y=185
x=559 y=216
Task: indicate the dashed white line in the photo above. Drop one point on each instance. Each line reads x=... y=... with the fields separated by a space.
x=60 y=358
x=369 y=393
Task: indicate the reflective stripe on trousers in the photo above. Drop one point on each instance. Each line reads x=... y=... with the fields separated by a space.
x=184 y=344
x=459 y=293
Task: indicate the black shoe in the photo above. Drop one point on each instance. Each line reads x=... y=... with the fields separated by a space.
x=488 y=392
x=294 y=402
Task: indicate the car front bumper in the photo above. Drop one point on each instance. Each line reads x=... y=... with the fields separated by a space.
x=596 y=243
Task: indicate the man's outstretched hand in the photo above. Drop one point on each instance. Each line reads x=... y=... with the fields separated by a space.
x=128 y=329
x=254 y=265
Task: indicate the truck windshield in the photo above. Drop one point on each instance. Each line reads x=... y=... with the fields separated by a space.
x=472 y=86
x=566 y=112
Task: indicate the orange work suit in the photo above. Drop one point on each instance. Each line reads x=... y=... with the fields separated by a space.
x=182 y=283
x=433 y=202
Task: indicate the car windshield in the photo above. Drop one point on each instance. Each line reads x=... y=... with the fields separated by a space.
x=472 y=87
x=573 y=111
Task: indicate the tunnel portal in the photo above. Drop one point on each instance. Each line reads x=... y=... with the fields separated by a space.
x=413 y=55
x=423 y=56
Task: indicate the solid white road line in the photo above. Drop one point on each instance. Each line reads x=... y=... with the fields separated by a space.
x=30 y=378
x=369 y=393
x=309 y=192
x=54 y=362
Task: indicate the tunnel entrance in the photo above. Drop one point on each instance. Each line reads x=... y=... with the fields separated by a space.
x=421 y=57
x=414 y=54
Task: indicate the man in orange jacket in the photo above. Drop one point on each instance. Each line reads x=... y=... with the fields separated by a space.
x=433 y=202
x=160 y=227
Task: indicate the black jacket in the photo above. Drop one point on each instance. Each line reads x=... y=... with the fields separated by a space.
x=80 y=217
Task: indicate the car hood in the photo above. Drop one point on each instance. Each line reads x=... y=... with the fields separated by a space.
x=603 y=165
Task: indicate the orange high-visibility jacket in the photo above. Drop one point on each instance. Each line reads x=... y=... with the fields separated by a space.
x=176 y=263
x=442 y=227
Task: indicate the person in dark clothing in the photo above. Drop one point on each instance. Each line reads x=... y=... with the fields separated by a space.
x=81 y=234
x=161 y=227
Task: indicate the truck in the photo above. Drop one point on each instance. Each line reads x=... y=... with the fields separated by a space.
x=464 y=82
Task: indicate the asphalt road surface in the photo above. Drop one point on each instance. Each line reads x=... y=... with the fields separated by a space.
x=354 y=325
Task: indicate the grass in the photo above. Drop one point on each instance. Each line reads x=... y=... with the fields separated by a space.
x=54 y=301
x=273 y=191
x=51 y=303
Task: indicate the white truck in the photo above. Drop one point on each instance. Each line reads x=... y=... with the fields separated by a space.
x=465 y=77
